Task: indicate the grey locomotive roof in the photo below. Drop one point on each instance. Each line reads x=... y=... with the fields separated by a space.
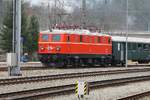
x=130 y=39
x=76 y=31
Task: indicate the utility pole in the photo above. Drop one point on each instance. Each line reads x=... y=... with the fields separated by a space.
x=49 y=16
x=15 y=70
x=83 y=18
x=14 y=15
x=126 y=65
x=55 y=12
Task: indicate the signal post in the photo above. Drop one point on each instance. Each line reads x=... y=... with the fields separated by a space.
x=13 y=59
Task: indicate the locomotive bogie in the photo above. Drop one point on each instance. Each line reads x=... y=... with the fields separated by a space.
x=75 y=59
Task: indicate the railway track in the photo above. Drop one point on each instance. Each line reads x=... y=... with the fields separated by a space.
x=39 y=66
x=68 y=89
x=24 y=66
x=136 y=96
x=19 y=80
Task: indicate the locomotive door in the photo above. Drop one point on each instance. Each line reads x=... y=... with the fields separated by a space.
x=68 y=44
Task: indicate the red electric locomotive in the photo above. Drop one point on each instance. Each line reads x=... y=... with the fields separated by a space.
x=74 y=47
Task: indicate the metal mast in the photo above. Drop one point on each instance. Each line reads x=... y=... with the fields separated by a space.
x=15 y=70
x=126 y=58
x=83 y=19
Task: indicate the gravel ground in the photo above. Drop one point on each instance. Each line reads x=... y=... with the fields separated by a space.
x=61 y=71
x=110 y=93
x=26 y=86
x=143 y=98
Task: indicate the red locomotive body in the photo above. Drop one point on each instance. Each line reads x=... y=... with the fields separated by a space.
x=74 y=47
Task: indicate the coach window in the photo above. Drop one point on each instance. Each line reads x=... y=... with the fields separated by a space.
x=134 y=46
x=139 y=46
x=129 y=46
x=80 y=38
x=146 y=47
x=68 y=38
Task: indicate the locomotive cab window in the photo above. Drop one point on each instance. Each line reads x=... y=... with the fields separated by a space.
x=56 y=38
x=45 y=37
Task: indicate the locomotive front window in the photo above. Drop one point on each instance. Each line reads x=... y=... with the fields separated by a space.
x=45 y=37
x=55 y=38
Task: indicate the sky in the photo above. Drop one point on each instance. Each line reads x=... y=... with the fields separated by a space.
x=38 y=1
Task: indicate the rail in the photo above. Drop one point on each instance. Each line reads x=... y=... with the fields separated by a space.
x=136 y=96
x=19 y=80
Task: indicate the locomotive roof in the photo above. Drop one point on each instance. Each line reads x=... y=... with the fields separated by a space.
x=76 y=31
x=130 y=39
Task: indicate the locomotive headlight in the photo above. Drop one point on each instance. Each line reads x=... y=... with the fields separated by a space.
x=42 y=48
x=58 y=48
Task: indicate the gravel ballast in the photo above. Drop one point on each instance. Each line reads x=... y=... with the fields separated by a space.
x=110 y=93
x=26 y=86
x=52 y=71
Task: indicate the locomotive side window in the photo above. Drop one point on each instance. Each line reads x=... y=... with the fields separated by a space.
x=56 y=38
x=95 y=39
x=109 y=40
x=76 y=38
x=90 y=39
x=99 y=40
x=68 y=38
x=80 y=38
x=45 y=37
x=103 y=40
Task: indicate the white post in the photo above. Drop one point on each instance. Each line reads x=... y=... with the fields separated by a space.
x=126 y=36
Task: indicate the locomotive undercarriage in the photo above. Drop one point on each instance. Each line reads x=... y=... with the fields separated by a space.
x=75 y=60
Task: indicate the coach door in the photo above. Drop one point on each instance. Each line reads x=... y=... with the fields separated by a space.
x=121 y=51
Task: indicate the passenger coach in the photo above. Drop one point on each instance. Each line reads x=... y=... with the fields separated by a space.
x=138 y=49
